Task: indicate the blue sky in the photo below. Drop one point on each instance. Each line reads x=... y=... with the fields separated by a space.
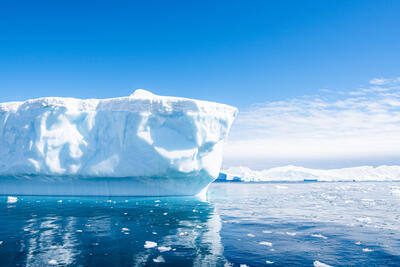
x=317 y=82
x=236 y=52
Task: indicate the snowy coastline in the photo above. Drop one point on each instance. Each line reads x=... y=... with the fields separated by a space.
x=301 y=174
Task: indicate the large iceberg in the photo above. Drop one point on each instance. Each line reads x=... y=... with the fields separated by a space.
x=142 y=144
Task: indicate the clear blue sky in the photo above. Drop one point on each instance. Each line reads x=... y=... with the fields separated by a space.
x=236 y=52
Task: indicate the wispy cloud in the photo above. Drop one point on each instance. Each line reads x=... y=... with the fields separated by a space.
x=360 y=124
x=383 y=81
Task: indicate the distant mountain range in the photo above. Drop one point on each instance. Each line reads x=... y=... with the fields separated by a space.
x=295 y=173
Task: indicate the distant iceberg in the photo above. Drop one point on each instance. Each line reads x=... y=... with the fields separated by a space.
x=294 y=174
x=142 y=144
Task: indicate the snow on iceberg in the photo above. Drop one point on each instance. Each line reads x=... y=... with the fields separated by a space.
x=142 y=144
x=294 y=173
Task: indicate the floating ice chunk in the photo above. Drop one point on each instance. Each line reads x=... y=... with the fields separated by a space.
x=164 y=249
x=165 y=213
x=319 y=236
x=244 y=265
x=79 y=231
x=1 y=243
x=150 y=244
x=267 y=232
x=250 y=235
x=269 y=262
x=358 y=243
x=53 y=262
x=269 y=244
x=396 y=190
x=367 y=250
x=159 y=259
x=321 y=264
x=11 y=199
x=124 y=229
x=280 y=187
x=59 y=201
x=291 y=234
x=364 y=220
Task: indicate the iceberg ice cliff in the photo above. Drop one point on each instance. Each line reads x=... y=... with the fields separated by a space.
x=142 y=144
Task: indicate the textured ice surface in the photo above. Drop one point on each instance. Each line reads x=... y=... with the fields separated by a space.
x=294 y=173
x=143 y=138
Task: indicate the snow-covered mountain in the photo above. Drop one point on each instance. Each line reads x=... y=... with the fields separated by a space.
x=294 y=173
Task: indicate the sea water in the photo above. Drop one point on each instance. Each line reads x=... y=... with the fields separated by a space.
x=277 y=224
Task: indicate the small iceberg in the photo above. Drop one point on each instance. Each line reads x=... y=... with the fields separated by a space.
x=12 y=199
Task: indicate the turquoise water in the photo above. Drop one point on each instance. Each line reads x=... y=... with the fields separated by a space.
x=277 y=224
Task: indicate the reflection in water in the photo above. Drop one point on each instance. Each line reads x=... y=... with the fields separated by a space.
x=50 y=242
x=93 y=232
x=297 y=224
x=288 y=224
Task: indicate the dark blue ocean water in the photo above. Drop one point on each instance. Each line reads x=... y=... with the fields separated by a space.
x=285 y=224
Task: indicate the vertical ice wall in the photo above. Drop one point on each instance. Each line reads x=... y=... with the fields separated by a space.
x=140 y=135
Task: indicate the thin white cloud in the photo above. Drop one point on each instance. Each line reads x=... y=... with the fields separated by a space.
x=378 y=81
x=382 y=81
x=363 y=123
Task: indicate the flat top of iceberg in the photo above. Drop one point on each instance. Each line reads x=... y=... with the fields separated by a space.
x=139 y=101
